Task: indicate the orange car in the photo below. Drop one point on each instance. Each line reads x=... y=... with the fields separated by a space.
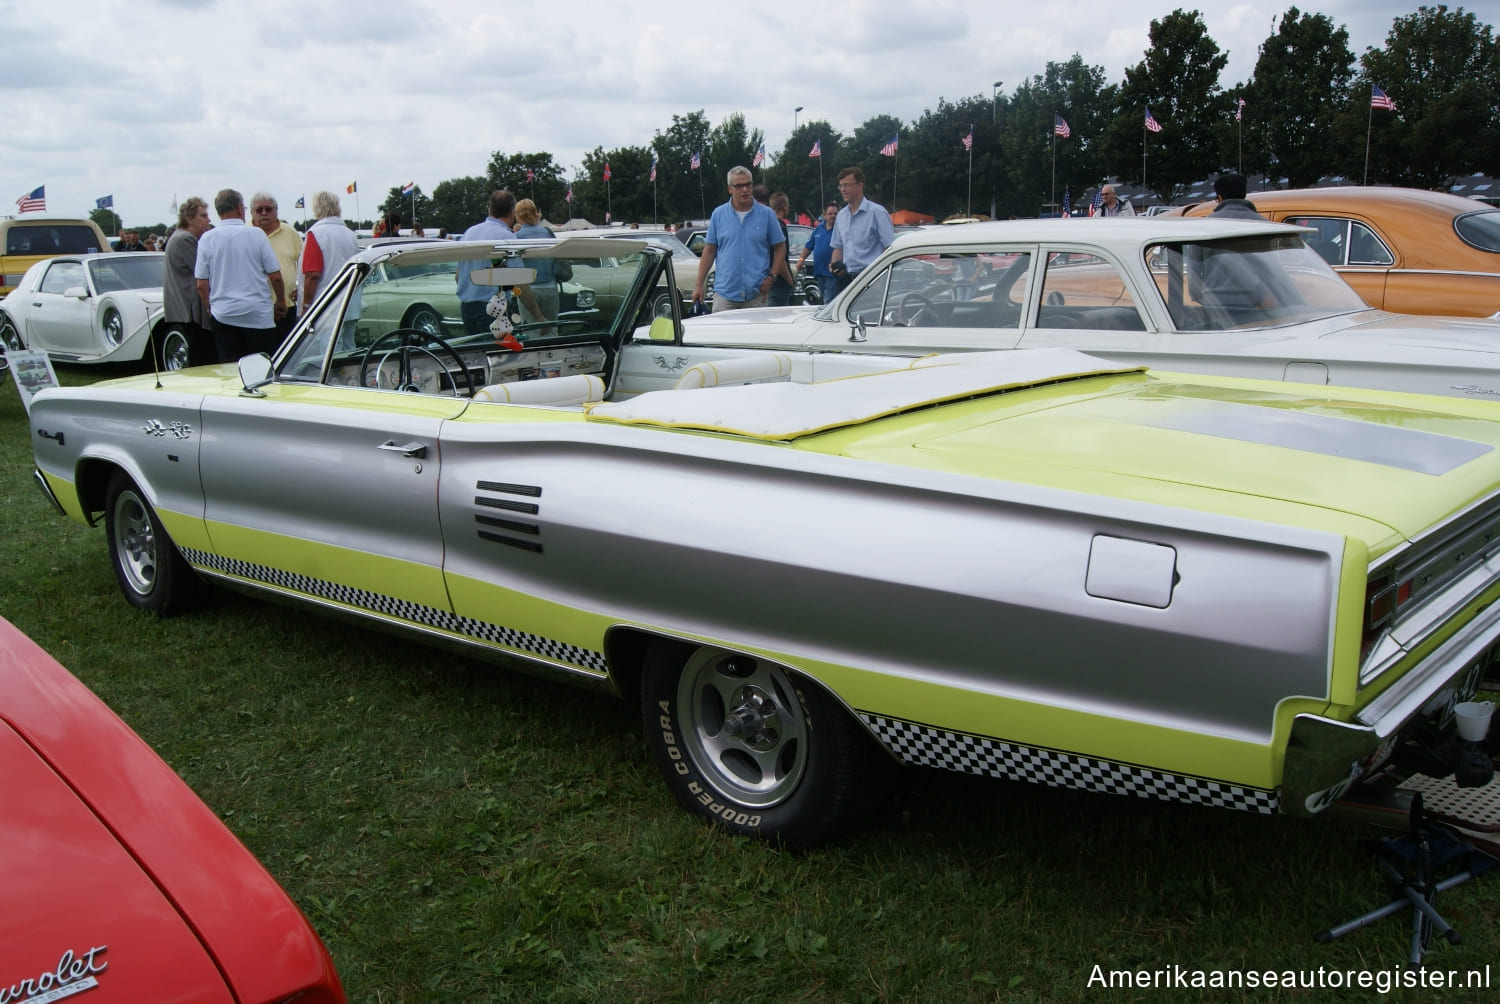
x=1402 y=249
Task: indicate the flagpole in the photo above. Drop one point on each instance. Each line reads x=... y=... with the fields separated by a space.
x=1053 y=196
x=1369 y=122
x=969 y=201
x=1145 y=135
x=822 y=202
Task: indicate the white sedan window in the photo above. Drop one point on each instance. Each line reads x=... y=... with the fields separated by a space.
x=1086 y=291
x=969 y=289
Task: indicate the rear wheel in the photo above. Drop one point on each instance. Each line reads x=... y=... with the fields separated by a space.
x=9 y=335
x=152 y=575
x=172 y=348
x=739 y=740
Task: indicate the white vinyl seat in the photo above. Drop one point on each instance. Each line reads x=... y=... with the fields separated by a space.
x=761 y=367
x=579 y=389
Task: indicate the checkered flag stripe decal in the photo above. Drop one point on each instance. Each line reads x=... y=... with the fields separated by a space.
x=388 y=606
x=929 y=747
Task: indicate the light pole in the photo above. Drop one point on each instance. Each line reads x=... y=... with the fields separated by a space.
x=995 y=120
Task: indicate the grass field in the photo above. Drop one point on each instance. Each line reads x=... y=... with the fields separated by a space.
x=456 y=833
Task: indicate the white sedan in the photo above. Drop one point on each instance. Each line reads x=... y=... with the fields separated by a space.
x=90 y=308
x=1192 y=295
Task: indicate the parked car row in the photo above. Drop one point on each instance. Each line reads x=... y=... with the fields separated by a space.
x=1254 y=594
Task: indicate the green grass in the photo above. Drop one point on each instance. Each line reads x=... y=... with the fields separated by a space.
x=455 y=832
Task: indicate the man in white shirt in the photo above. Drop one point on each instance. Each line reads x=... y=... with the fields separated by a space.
x=233 y=265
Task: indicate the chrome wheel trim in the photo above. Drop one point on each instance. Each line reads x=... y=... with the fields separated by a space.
x=425 y=320
x=113 y=326
x=743 y=726
x=9 y=335
x=174 y=350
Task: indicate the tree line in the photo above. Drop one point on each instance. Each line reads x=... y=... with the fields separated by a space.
x=1305 y=113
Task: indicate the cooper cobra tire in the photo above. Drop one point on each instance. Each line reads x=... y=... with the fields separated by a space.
x=151 y=573
x=743 y=742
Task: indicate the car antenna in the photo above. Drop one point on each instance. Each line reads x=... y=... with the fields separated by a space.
x=155 y=368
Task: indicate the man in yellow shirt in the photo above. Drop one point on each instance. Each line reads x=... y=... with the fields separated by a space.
x=287 y=244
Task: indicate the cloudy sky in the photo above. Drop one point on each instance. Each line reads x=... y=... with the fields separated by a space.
x=156 y=100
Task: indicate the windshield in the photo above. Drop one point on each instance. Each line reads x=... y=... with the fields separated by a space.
x=524 y=313
x=134 y=271
x=1247 y=282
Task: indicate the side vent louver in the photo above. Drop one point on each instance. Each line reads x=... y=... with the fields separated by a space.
x=502 y=530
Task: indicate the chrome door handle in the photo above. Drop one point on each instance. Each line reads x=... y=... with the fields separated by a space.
x=415 y=450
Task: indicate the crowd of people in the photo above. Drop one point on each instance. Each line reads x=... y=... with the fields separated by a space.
x=235 y=288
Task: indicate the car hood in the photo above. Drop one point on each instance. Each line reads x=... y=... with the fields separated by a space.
x=80 y=906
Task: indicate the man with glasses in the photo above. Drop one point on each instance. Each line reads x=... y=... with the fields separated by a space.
x=742 y=234
x=861 y=231
x=820 y=245
x=287 y=244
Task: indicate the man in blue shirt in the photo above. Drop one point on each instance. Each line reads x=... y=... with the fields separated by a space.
x=495 y=227
x=741 y=236
x=863 y=228
x=820 y=243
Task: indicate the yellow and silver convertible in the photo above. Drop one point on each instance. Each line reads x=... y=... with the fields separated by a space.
x=1033 y=565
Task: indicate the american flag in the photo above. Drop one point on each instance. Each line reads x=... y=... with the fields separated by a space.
x=968 y=140
x=1060 y=126
x=569 y=196
x=36 y=202
x=817 y=150
x=1151 y=122
x=653 y=169
x=889 y=150
x=1378 y=99
x=760 y=156
x=1097 y=203
x=695 y=163
x=606 y=170
x=1239 y=109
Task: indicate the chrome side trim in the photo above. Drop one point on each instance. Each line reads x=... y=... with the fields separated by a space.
x=46 y=489
x=1406 y=697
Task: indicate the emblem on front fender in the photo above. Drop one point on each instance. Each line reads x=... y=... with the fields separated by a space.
x=177 y=430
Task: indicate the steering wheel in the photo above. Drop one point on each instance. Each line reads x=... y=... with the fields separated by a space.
x=409 y=342
x=914 y=310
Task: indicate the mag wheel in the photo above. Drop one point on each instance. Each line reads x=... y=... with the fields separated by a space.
x=151 y=573
x=740 y=741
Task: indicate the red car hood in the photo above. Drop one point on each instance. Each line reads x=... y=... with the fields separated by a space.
x=112 y=864
x=80 y=913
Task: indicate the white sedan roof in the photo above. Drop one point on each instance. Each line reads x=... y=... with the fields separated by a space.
x=1122 y=235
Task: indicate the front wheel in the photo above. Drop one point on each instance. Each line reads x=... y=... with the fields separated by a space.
x=740 y=741
x=151 y=573
x=10 y=337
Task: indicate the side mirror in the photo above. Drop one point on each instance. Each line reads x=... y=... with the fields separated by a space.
x=255 y=372
x=857 y=330
x=76 y=293
x=662 y=330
